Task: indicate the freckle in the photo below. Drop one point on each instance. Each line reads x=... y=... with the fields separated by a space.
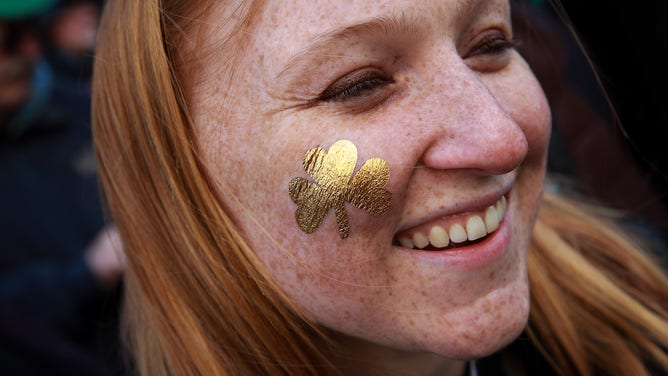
x=492 y=275
x=423 y=293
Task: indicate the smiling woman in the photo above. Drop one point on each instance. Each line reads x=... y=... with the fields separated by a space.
x=351 y=187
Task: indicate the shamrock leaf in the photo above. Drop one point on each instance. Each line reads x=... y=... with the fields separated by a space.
x=333 y=187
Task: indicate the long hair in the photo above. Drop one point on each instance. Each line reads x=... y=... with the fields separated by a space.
x=199 y=302
x=598 y=304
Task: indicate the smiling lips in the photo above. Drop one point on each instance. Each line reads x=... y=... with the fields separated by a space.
x=445 y=233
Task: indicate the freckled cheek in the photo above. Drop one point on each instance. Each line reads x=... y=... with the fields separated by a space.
x=320 y=268
x=315 y=285
x=535 y=119
x=253 y=186
x=325 y=279
x=322 y=258
x=538 y=134
x=532 y=114
x=522 y=97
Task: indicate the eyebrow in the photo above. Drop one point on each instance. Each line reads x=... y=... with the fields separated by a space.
x=393 y=24
x=321 y=43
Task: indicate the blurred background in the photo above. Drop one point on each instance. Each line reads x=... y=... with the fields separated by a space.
x=60 y=265
x=607 y=138
x=60 y=259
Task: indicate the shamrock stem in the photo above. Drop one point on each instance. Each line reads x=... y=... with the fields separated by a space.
x=342 y=220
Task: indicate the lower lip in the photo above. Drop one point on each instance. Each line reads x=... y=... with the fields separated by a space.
x=491 y=248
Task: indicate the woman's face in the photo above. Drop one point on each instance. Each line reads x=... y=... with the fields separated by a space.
x=435 y=89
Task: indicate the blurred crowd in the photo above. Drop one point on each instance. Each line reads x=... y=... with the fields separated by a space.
x=61 y=261
x=60 y=266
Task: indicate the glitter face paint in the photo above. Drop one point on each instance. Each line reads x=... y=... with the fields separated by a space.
x=335 y=184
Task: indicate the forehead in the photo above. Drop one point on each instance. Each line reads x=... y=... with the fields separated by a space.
x=290 y=42
x=290 y=28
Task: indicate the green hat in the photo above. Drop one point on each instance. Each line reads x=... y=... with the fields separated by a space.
x=18 y=9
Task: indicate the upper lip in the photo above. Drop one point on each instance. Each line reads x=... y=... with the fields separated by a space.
x=476 y=204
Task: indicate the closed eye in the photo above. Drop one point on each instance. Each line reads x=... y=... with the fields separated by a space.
x=490 y=52
x=355 y=86
x=493 y=43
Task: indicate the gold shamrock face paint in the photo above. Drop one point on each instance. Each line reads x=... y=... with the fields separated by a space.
x=333 y=187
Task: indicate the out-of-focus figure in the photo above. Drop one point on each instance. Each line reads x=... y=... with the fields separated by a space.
x=60 y=266
x=20 y=50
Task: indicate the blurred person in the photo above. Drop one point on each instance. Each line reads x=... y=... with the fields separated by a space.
x=72 y=29
x=20 y=50
x=60 y=267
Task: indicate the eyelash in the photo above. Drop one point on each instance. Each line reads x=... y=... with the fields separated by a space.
x=492 y=44
x=362 y=84
x=357 y=85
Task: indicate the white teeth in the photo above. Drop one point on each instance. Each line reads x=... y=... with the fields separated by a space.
x=457 y=233
x=406 y=242
x=475 y=228
x=438 y=237
x=491 y=219
x=420 y=240
x=501 y=207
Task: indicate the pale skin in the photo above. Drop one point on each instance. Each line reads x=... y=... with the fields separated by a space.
x=461 y=122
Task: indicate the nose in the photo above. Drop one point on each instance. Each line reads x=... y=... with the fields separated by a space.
x=470 y=128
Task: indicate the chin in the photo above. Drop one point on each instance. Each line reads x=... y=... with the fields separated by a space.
x=492 y=324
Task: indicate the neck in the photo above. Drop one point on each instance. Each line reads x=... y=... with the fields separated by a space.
x=359 y=357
